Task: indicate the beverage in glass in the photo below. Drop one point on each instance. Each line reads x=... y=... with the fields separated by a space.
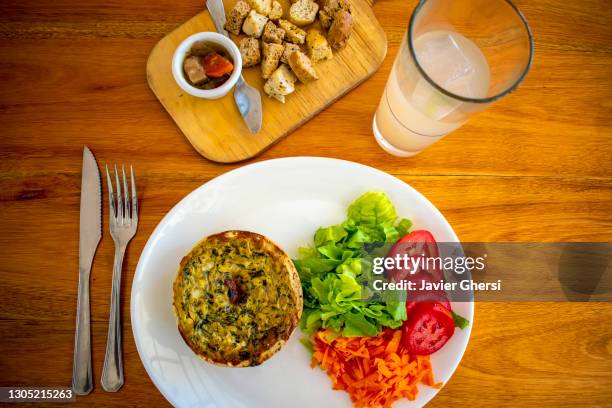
x=456 y=57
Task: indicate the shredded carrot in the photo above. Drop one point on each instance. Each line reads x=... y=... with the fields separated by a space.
x=375 y=371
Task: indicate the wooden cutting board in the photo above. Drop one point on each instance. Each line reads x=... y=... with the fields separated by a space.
x=216 y=129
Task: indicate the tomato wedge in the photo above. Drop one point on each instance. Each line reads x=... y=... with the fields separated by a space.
x=427 y=298
x=413 y=297
x=417 y=243
x=428 y=329
x=216 y=65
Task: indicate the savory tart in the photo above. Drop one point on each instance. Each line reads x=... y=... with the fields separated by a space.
x=238 y=298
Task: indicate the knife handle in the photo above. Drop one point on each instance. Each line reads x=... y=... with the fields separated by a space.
x=82 y=382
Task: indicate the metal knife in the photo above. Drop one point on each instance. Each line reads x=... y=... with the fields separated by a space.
x=90 y=235
x=247 y=98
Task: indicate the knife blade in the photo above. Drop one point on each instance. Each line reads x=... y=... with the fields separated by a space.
x=89 y=238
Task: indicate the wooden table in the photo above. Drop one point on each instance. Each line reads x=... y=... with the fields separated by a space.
x=534 y=167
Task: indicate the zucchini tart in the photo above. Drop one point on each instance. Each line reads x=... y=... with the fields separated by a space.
x=237 y=298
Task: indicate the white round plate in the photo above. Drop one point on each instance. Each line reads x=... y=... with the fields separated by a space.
x=286 y=200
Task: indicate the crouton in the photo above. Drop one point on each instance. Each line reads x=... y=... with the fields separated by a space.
x=250 y=52
x=276 y=12
x=281 y=83
x=340 y=30
x=263 y=7
x=254 y=24
x=273 y=34
x=325 y=19
x=293 y=33
x=236 y=17
x=289 y=48
x=331 y=7
x=271 y=56
x=303 y=12
x=318 y=47
x=302 y=67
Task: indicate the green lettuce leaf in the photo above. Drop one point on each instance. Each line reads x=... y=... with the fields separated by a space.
x=331 y=251
x=397 y=310
x=356 y=324
x=314 y=266
x=403 y=227
x=351 y=265
x=332 y=271
x=307 y=345
x=332 y=234
x=460 y=321
x=372 y=209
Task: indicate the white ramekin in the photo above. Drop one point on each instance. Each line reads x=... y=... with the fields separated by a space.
x=183 y=49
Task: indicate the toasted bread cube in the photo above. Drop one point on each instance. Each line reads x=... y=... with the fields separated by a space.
x=293 y=33
x=192 y=66
x=261 y=6
x=254 y=24
x=271 y=57
x=276 y=12
x=281 y=83
x=303 y=12
x=302 y=67
x=340 y=30
x=250 y=52
x=236 y=17
x=289 y=48
x=331 y=7
x=325 y=19
x=318 y=47
x=273 y=34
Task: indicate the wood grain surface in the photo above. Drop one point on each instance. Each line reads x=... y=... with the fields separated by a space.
x=535 y=166
x=216 y=129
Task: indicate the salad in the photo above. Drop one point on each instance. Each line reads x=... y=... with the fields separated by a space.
x=375 y=349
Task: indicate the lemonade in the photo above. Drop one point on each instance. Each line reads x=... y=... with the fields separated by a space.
x=412 y=114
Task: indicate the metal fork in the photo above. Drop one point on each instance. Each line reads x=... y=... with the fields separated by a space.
x=123 y=222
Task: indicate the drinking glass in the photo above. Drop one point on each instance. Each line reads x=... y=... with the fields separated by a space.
x=457 y=57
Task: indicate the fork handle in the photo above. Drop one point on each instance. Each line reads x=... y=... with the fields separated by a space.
x=82 y=382
x=112 y=372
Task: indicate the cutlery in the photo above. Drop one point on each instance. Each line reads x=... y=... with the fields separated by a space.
x=123 y=221
x=247 y=98
x=89 y=237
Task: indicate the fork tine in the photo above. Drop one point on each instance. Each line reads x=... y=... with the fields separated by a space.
x=111 y=195
x=134 y=197
x=120 y=215
x=126 y=201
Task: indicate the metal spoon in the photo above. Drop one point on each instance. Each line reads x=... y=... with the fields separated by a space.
x=248 y=99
